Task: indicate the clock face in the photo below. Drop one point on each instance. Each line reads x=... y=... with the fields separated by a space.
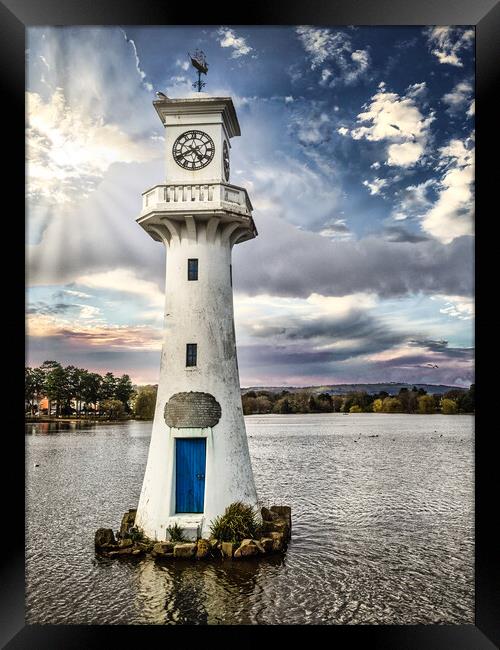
x=225 y=156
x=193 y=150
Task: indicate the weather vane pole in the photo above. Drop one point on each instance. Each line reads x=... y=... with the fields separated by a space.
x=199 y=61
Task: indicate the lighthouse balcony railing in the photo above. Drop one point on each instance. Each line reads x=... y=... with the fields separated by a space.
x=178 y=196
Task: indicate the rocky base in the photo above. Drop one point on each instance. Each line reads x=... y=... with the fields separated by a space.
x=275 y=533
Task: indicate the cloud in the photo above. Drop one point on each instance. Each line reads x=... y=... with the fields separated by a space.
x=461 y=307
x=334 y=339
x=140 y=71
x=228 y=38
x=413 y=201
x=336 y=229
x=452 y=214
x=68 y=152
x=398 y=121
x=447 y=42
x=124 y=281
x=400 y=234
x=323 y=46
x=459 y=96
x=375 y=185
x=287 y=262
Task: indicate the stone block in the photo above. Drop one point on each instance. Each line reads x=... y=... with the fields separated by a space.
x=227 y=549
x=278 y=541
x=267 y=544
x=104 y=537
x=163 y=549
x=247 y=549
x=284 y=512
x=203 y=548
x=185 y=550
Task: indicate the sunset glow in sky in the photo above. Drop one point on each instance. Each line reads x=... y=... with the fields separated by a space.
x=357 y=150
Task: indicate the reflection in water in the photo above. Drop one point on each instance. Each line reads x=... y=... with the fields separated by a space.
x=192 y=593
x=382 y=526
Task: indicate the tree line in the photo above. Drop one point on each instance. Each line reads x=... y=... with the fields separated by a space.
x=75 y=391
x=415 y=400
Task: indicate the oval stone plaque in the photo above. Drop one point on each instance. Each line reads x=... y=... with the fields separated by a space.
x=192 y=410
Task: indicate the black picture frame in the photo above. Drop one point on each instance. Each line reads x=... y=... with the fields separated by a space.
x=15 y=17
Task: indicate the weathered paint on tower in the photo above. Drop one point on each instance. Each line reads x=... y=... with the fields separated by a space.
x=199 y=217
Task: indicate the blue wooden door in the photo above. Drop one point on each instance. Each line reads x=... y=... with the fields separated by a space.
x=190 y=474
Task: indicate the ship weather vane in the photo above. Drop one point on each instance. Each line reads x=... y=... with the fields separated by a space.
x=199 y=62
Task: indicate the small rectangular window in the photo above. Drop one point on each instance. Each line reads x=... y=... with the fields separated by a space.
x=192 y=269
x=231 y=274
x=191 y=354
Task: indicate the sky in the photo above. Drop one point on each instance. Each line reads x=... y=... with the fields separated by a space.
x=357 y=151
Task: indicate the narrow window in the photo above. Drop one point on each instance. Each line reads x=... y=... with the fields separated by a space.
x=191 y=354
x=192 y=269
x=231 y=274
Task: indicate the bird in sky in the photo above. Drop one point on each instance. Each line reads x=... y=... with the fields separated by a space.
x=161 y=95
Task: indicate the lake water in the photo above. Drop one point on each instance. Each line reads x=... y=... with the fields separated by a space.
x=383 y=526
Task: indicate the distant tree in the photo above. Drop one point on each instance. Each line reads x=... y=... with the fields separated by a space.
x=355 y=408
x=251 y=393
x=392 y=405
x=56 y=385
x=324 y=402
x=336 y=403
x=282 y=406
x=466 y=403
x=108 y=387
x=145 y=402
x=449 y=406
x=249 y=404
x=91 y=389
x=426 y=404
x=378 y=406
x=124 y=391
x=312 y=406
x=112 y=408
x=263 y=404
x=422 y=391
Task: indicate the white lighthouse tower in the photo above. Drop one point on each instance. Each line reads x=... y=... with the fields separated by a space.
x=198 y=459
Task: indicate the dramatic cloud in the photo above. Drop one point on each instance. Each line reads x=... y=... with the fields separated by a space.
x=68 y=151
x=397 y=121
x=452 y=214
x=447 y=42
x=413 y=201
x=288 y=262
x=375 y=185
x=459 y=96
x=228 y=38
x=335 y=51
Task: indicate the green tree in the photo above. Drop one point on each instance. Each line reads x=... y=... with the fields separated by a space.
x=263 y=404
x=112 y=408
x=56 y=386
x=108 y=386
x=282 y=406
x=124 y=391
x=355 y=408
x=91 y=389
x=449 y=406
x=29 y=391
x=249 y=405
x=426 y=404
x=145 y=402
x=337 y=402
x=324 y=403
x=392 y=405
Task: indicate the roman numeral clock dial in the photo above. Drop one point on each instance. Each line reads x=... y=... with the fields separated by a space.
x=193 y=150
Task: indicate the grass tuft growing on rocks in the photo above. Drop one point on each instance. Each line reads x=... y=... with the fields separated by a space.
x=176 y=533
x=238 y=522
